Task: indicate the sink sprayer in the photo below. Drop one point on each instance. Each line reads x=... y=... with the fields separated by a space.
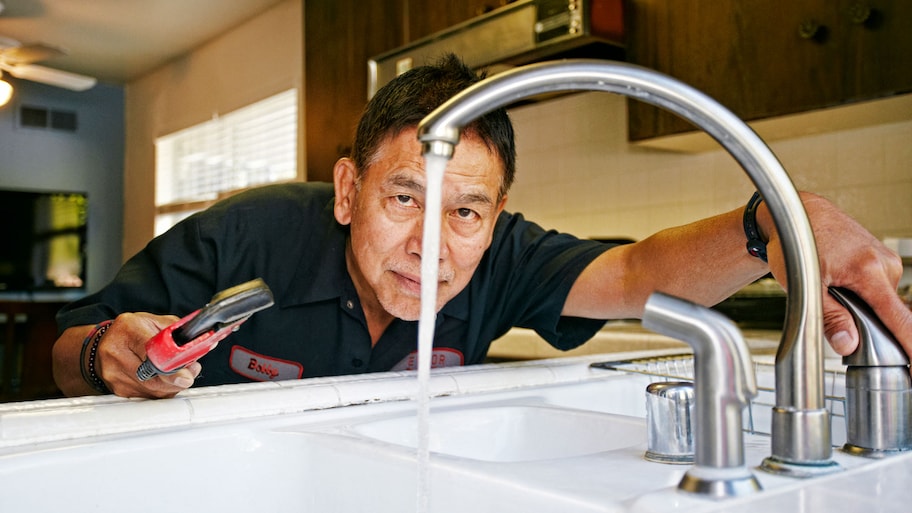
x=878 y=386
x=800 y=423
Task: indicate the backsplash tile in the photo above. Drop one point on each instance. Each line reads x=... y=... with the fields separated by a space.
x=576 y=172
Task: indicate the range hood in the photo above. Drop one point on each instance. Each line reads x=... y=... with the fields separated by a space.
x=518 y=33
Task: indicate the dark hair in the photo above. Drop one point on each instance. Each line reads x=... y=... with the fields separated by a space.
x=407 y=99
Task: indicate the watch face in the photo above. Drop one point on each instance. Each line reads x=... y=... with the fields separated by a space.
x=757 y=248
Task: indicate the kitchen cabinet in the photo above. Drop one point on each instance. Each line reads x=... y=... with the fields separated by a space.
x=764 y=58
x=339 y=37
x=27 y=334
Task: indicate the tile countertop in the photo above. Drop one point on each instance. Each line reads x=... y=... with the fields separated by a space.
x=615 y=337
x=32 y=423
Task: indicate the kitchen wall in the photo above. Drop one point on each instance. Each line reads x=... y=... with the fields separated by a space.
x=577 y=172
x=89 y=159
x=258 y=59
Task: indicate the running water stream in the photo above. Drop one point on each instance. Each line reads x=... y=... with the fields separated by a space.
x=430 y=264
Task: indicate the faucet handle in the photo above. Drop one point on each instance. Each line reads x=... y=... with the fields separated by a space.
x=727 y=368
x=877 y=347
x=724 y=384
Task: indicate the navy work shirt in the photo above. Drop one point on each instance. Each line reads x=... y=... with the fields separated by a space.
x=287 y=235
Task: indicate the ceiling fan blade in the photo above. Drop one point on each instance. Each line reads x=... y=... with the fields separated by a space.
x=50 y=76
x=28 y=54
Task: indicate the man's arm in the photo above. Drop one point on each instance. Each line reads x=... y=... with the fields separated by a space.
x=706 y=262
x=120 y=351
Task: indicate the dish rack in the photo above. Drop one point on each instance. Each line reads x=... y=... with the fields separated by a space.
x=680 y=368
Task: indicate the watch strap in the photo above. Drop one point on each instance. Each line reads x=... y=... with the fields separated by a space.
x=756 y=247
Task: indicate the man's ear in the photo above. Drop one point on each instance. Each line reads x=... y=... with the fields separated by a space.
x=344 y=180
x=501 y=205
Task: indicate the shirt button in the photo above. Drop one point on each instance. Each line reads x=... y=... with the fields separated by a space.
x=356 y=362
x=349 y=304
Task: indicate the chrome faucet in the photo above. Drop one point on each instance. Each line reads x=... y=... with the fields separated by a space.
x=800 y=422
x=724 y=384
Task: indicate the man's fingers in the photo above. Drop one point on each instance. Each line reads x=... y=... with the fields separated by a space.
x=840 y=329
x=839 y=326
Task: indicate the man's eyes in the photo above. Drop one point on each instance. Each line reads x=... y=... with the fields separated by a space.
x=466 y=214
x=462 y=214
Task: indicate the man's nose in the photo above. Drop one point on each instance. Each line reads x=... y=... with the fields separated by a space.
x=416 y=238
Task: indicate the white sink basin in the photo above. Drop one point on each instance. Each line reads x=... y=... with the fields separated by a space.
x=556 y=439
x=512 y=433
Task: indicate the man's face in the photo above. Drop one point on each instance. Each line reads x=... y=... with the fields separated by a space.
x=386 y=214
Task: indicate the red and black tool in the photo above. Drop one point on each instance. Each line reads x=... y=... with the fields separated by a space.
x=190 y=338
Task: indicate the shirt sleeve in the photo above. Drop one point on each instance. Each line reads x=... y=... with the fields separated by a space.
x=535 y=270
x=250 y=235
x=173 y=274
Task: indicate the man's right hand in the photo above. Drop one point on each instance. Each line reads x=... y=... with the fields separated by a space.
x=120 y=351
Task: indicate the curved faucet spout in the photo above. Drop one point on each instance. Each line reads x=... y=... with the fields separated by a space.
x=801 y=416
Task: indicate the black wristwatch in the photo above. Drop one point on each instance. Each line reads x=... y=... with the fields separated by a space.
x=755 y=245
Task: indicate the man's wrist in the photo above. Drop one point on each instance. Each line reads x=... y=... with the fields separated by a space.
x=87 y=358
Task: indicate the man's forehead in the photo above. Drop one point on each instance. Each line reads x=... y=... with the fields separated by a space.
x=461 y=191
x=406 y=179
x=399 y=163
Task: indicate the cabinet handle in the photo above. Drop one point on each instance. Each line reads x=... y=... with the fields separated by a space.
x=859 y=13
x=811 y=30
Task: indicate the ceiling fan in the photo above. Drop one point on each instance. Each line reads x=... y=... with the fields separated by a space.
x=19 y=61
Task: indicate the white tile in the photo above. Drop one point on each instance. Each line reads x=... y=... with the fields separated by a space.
x=860 y=158
x=120 y=416
x=575 y=162
x=263 y=402
x=520 y=376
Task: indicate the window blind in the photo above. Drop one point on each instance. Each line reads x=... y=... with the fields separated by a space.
x=251 y=146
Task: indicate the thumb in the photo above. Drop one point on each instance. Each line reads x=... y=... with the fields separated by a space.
x=839 y=326
x=183 y=378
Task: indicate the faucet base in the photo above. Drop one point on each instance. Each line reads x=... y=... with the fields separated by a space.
x=669 y=459
x=801 y=436
x=867 y=452
x=780 y=467
x=720 y=483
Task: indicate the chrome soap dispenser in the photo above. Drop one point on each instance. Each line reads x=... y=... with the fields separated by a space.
x=878 y=386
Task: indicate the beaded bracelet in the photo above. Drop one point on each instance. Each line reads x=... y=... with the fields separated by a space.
x=87 y=366
x=755 y=245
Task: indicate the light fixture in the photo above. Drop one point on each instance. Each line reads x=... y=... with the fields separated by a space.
x=50 y=76
x=6 y=91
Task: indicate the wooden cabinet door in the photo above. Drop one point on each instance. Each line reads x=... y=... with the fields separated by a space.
x=763 y=58
x=428 y=16
x=339 y=37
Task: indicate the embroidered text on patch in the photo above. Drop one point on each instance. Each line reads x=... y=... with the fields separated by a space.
x=260 y=367
x=440 y=357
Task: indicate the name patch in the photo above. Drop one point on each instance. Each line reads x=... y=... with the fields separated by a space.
x=259 y=367
x=440 y=357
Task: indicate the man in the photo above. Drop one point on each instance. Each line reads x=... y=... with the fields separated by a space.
x=343 y=262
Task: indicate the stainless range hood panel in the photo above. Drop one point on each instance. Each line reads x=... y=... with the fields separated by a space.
x=517 y=33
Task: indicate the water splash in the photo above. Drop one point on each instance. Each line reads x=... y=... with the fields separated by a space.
x=430 y=264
